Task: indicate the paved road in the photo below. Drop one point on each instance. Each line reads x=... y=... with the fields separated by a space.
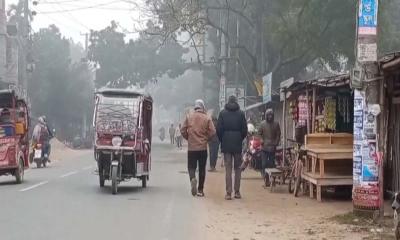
x=64 y=202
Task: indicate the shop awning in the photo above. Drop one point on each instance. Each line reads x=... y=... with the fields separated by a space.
x=329 y=82
x=390 y=61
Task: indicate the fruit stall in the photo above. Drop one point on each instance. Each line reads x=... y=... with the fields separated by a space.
x=319 y=116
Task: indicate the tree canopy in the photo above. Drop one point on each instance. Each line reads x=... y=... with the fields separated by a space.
x=284 y=37
x=123 y=63
x=59 y=88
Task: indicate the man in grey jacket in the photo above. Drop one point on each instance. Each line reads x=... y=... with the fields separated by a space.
x=270 y=132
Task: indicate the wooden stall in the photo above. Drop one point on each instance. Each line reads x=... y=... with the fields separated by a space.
x=323 y=108
x=329 y=161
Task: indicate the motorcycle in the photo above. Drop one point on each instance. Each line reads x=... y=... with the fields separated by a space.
x=252 y=156
x=40 y=155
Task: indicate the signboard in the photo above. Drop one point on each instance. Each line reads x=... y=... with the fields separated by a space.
x=267 y=88
x=239 y=92
x=285 y=84
x=368 y=17
x=367 y=52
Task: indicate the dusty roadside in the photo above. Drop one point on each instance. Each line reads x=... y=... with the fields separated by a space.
x=59 y=150
x=264 y=215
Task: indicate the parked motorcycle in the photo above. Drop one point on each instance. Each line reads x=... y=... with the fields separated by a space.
x=252 y=155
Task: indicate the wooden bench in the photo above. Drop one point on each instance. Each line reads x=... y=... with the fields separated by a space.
x=328 y=180
x=274 y=174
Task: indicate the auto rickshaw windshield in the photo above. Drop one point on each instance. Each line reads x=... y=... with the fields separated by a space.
x=117 y=114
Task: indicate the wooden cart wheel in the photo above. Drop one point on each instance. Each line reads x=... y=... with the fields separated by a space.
x=19 y=172
x=114 y=181
x=298 y=180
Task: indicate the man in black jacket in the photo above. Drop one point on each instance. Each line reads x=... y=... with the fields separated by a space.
x=231 y=131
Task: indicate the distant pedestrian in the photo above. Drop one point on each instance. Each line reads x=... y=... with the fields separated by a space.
x=232 y=130
x=213 y=146
x=171 y=132
x=270 y=133
x=178 y=136
x=198 y=130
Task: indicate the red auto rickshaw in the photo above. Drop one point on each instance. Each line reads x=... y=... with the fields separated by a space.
x=123 y=132
x=14 y=139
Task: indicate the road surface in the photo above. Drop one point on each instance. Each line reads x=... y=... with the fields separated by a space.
x=64 y=202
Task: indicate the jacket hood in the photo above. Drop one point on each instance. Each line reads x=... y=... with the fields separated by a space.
x=232 y=106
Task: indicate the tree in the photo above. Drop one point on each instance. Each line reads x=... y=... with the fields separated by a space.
x=136 y=61
x=60 y=89
x=283 y=37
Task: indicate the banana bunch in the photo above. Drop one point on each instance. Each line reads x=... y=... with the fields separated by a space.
x=330 y=113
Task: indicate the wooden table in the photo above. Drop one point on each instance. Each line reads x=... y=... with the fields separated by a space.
x=326 y=154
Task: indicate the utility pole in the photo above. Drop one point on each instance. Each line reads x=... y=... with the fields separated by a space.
x=3 y=41
x=84 y=119
x=368 y=191
x=25 y=49
x=224 y=62
x=237 y=55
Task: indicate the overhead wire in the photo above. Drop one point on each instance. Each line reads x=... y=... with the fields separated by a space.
x=96 y=6
x=72 y=17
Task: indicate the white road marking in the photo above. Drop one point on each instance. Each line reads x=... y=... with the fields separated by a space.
x=87 y=168
x=34 y=186
x=68 y=174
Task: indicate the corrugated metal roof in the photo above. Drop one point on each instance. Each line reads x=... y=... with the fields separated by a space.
x=331 y=81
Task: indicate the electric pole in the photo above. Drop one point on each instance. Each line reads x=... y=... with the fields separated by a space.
x=237 y=56
x=368 y=191
x=224 y=61
x=3 y=41
x=24 y=50
x=84 y=119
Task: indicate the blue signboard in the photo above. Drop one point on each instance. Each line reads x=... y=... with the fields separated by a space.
x=368 y=14
x=267 y=88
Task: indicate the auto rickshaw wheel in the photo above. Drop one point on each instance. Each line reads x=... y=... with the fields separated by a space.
x=114 y=182
x=101 y=175
x=19 y=172
x=144 y=181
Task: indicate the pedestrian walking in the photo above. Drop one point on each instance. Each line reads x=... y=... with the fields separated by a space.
x=270 y=132
x=213 y=147
x=197 y=130
x=232 y=130
x=171 y=132
x=178 y=136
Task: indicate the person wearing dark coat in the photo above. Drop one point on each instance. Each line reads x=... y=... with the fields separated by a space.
x=270 y=131
x=231 y=131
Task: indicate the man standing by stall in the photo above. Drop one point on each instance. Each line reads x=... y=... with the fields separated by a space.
x=270 y=132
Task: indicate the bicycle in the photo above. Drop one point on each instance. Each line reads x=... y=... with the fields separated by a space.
x=296 y=168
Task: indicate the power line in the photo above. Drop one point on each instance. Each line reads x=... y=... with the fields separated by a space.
x=81 y=8
x=62 y=24
x=73 y=18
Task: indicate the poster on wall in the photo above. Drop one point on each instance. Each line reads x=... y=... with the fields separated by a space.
x=368 y=17
x=369 y=165
x=365 y=164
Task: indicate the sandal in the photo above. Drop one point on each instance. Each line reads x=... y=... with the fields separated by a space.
x=200 y=194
